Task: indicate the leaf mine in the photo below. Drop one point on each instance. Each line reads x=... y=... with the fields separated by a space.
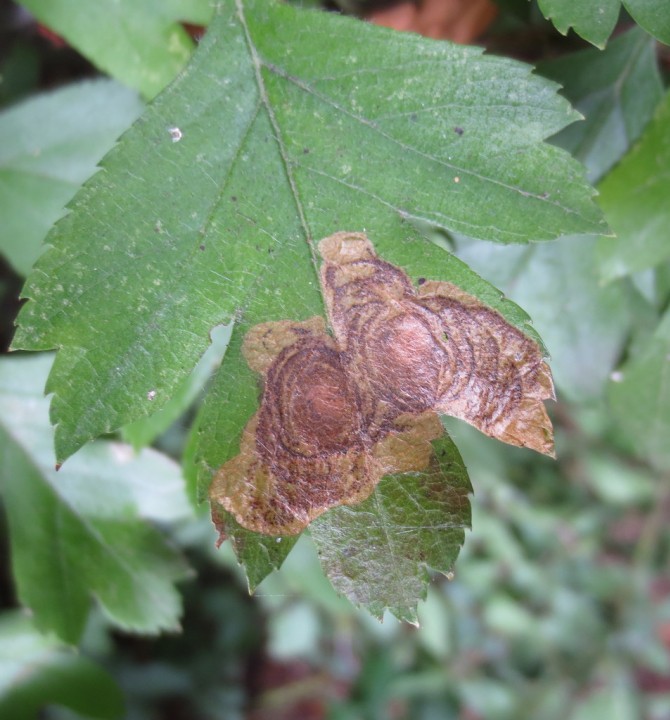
x=339 y=412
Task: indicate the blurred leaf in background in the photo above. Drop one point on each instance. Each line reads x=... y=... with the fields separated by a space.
x=141 y=44
x=82 y=533
x=49 y=145
x=635 y=198
x=36 y=669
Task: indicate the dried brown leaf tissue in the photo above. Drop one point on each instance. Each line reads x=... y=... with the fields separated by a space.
x=340 y=411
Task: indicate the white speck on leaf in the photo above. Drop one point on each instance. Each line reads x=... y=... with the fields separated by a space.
x=176 y=134
x=616 y=376
x=151 y=394
x=121 y=453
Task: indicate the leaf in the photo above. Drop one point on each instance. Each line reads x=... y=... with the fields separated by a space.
x=616 y=89
x=639 y=395
x=378 y=553
x=140 y=43
x=634 y=197
x=49 y=145
x=339 y=413
x=594 y=23
x=144 y=431
x=258 y=554
x=584 y=325
x=594 y=20
x=210 y=204
x=652 y=15
x=38 y=670
x=80 y=533
x=233 y=398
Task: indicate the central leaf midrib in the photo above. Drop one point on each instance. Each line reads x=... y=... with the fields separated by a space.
x=258 y=64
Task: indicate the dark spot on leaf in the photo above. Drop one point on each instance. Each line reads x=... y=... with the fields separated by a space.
x=413 y=117
x=421 y=280
x=202 y=247
x=233 y=198
x=459 y=130
x=305 y=151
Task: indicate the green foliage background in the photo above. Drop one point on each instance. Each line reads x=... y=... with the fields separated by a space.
x=560 y=602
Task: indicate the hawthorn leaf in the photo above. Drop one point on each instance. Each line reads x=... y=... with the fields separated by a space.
x=594 y=23
x=83 y=533
x=144 y=431
x=594 y=20
x=652 y=15
x=142 y=44
x=38 y=670
x=49 y=145
x=209 y=206
x=258 y=554
x=617 y=90
x=379 y=553
x=639 y=395
x=634 y=197
x=585 y=338
x=234 y=397
x=341 y=411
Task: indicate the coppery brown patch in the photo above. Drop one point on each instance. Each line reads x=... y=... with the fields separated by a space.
x=340 y=412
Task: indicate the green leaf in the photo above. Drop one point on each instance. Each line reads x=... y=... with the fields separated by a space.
x=634 y=197
x=140 y=43
x=615 y=696
x=49 y=145
x=652 y=15
x=258 y=554
x=144 y=431
x=639 y=395
x=38 y=670
x=594 y=20
x=378 y=553
x=617 y=90
x=80 y=533
x=210 y=205
x=594 y=23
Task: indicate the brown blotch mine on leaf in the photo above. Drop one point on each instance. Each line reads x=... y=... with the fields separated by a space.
x=339 y=412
